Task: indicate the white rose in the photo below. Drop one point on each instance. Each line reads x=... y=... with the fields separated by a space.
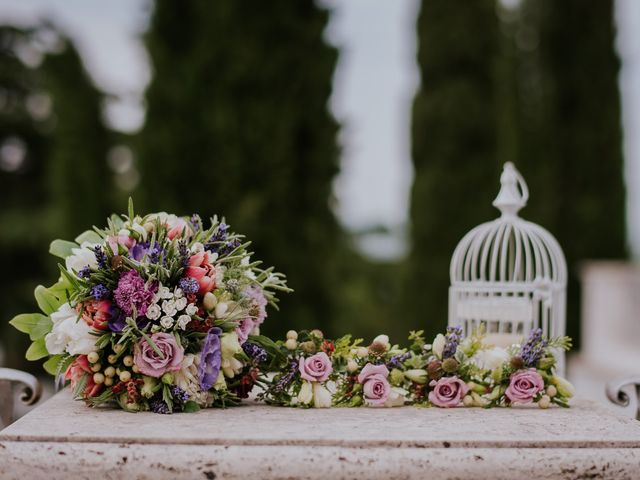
x=166 y=322
x=192 y=309
x=169 y=307
x=321 y=396
x=490 y=359
x=183 y=321
x=153 y=312
x=81 y=257
x=69 y=333
x=437 y=347
x=181 y=303
x=306 y=393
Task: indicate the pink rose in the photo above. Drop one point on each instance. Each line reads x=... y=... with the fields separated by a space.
x=76 y=371
x=124 y=240
x=202 y=271
x=316 y=368
x=154 y=365
x=375 y=385
x=177 y=227
x=524 y=386
x=447 y=392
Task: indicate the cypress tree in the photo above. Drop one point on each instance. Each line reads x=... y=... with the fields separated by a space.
x=237 y=124
x=568 y=122
x=81 y=185
x=454 y=147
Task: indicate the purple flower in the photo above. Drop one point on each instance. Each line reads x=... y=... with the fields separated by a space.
x=189 y=285
x=453 y=337
x=255 y=352
x=133 y=293
x=534 y=348
x=157 y=405
x=101 y=257
x=84 y=272
x=210 y=359
x=258 y=309
x=244 y=329
x=117 y=319
x=180 y=397
x=138 y=251
x=100 y=292
x=397 y=360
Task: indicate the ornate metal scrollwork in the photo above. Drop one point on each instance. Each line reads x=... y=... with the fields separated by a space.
x=615 y=392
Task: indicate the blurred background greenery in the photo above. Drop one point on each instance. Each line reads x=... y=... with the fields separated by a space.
x=238 y=123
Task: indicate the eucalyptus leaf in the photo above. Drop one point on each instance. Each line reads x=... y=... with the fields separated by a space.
x=37 y=350
x=88 y=236
x=47 y=301
x=62 y=248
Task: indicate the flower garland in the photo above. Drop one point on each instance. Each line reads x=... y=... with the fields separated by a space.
x=158 y=313
x=451 y=371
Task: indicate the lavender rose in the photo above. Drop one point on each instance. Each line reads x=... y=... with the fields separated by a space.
x=375 y=385
x=316 y=368
x=524 y=386
x=154 y=365
x=447 y=392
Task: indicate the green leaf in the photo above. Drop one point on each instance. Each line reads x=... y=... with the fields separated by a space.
x=61 y=248
x=47 y=301
x=191 y=407
x=27 y=322
x=131 y=214
x=88 y=236
x=37 y=350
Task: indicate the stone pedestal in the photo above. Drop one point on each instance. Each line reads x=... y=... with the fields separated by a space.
x=65 y=439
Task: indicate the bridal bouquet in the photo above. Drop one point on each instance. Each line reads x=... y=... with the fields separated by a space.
x=154 y=312
x=451 y=371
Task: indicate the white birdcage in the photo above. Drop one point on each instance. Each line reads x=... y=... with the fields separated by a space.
x=509 y=274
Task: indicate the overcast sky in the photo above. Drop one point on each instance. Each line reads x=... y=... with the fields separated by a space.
x=372 y=103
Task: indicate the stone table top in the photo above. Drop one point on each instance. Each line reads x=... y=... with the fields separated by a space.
x=336 y=442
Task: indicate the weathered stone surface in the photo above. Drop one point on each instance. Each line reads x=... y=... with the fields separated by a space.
x=65 y=438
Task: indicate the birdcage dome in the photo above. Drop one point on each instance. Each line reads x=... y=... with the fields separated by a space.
x=509 y=274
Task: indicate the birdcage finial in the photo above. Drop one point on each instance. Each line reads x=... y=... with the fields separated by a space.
x=513 y=193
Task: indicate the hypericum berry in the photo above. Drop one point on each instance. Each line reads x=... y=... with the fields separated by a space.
x=125 y=376
x=93 y=357
x=96 y=367
x=108 y=381
x=117 y=348
x=112 y=359
x=434 y=370
x=292 y=334
x=306 y=347
x=291 y=344
x=128 y=361
x=517 y=363
x=450 y=365
x=98 y=378
x=110 y=372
